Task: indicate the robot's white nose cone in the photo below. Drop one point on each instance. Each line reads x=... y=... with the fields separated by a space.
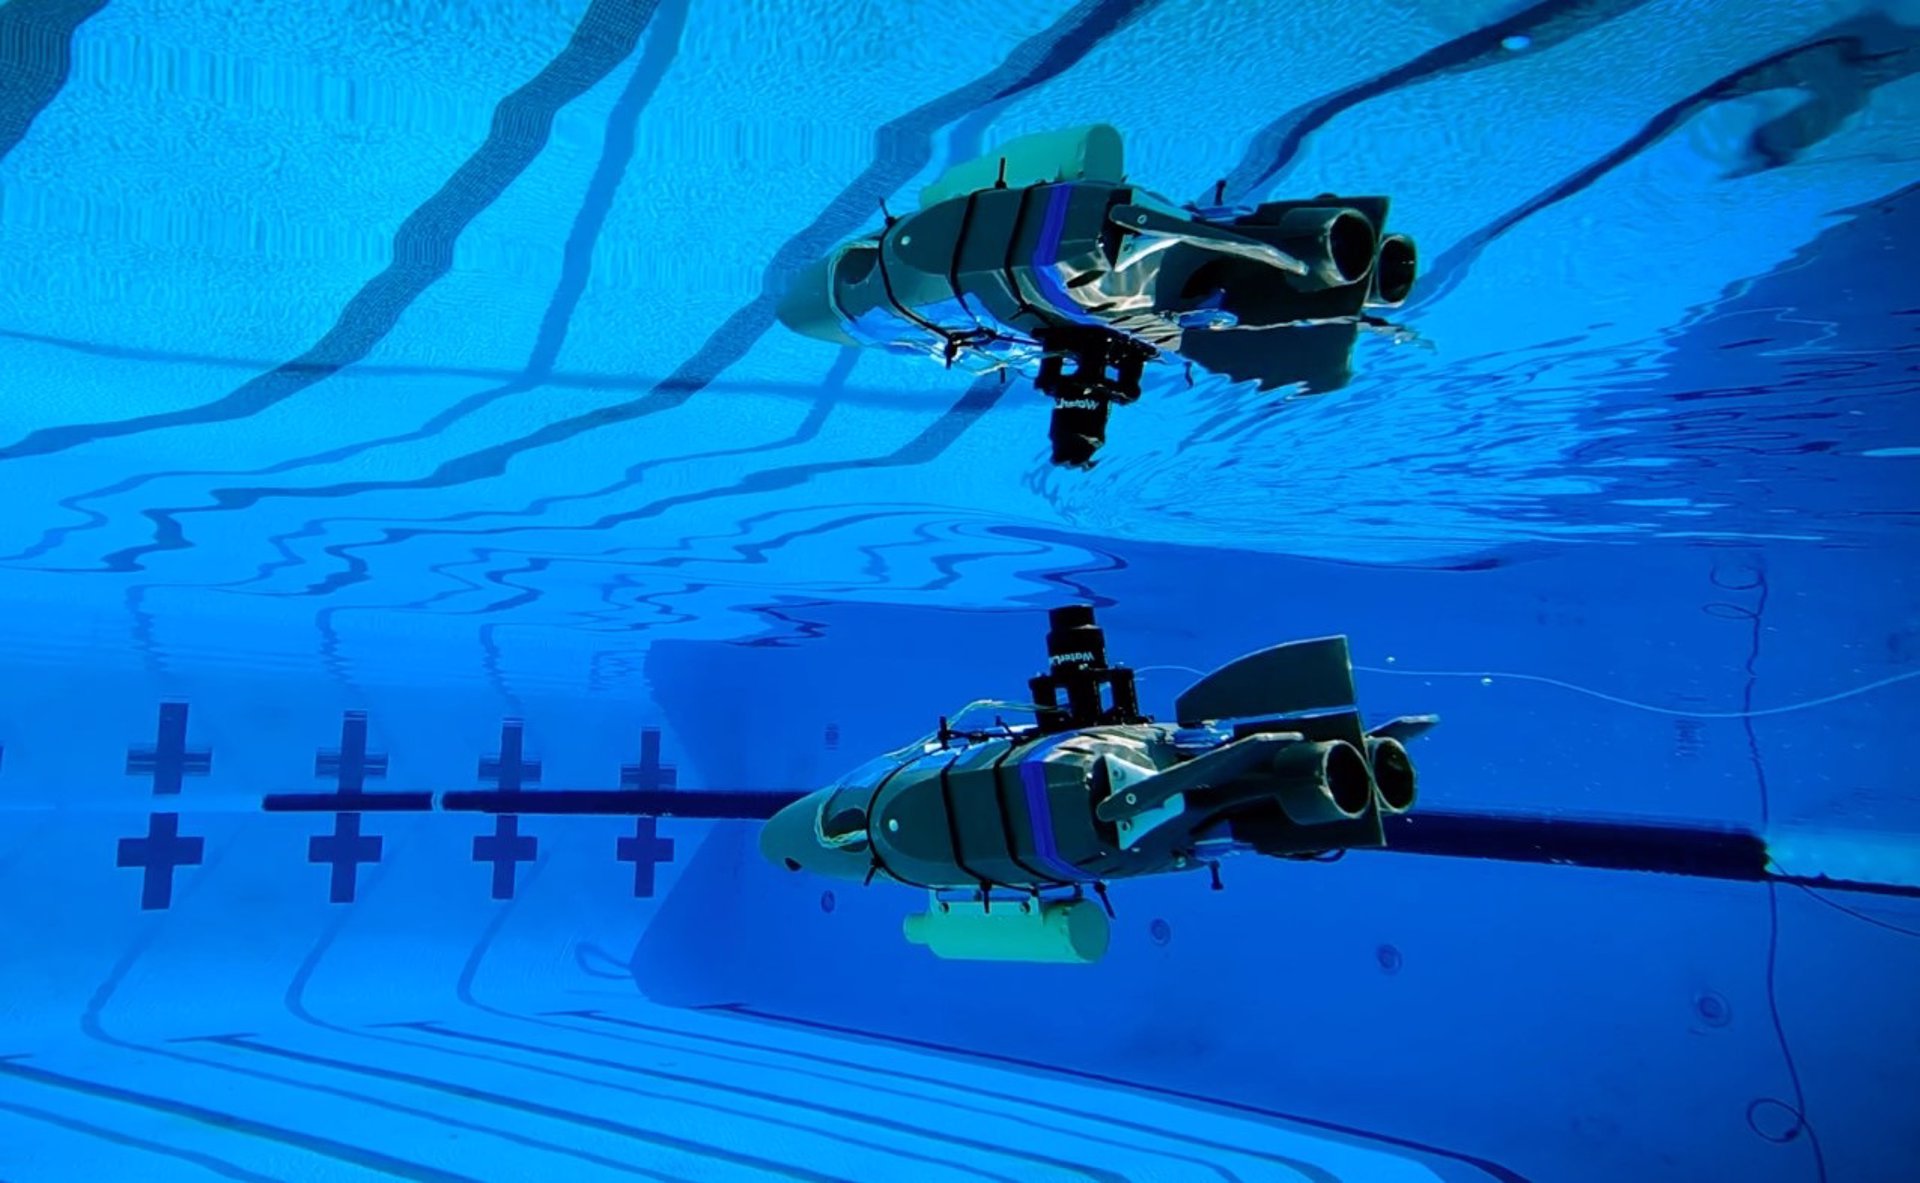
x=790 y=841
x=807 y=307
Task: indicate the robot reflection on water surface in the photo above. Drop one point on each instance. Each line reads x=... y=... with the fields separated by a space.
x=1009 y=827
x=1042 y=256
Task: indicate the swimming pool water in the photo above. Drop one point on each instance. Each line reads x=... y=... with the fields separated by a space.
x=391 y=397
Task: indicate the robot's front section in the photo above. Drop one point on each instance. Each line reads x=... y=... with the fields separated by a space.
x=984 y=277
x=998 y=813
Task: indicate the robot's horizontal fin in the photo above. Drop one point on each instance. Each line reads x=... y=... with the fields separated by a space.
x=1292 y=679
x=1406 y=727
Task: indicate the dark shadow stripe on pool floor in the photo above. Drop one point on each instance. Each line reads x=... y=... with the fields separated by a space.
x=467 y=1092
x=422 y=247
x=905 y=148
x=36 y=55
x=937 y=437
x=205 y=1162
x=1543 y=26
x=838 y=1117
x=359 y=1156
x=1492 y=1169
x=576 y=267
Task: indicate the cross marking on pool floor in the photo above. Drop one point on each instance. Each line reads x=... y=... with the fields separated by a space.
x=645 y=849
x=351 y=766
x=505 y=848
x=649 y=773
x=168 y=761
x=158 y=855
x=347 y=848
x=510 y=770
x=344 y=850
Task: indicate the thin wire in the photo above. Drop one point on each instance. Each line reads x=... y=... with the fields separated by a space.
x=1840 y=907
x=1754 y=614
x=1658 y=710
x=1604 y=696
x=1756 y=618
x=955 y=717
x=1799 y=1107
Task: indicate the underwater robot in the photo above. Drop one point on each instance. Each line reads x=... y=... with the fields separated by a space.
x=1009 y=828
x=1041 y=257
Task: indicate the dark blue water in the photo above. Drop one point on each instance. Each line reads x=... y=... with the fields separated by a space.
x=391 y=399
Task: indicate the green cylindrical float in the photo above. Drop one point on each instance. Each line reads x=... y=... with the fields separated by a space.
x=1072 y=932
